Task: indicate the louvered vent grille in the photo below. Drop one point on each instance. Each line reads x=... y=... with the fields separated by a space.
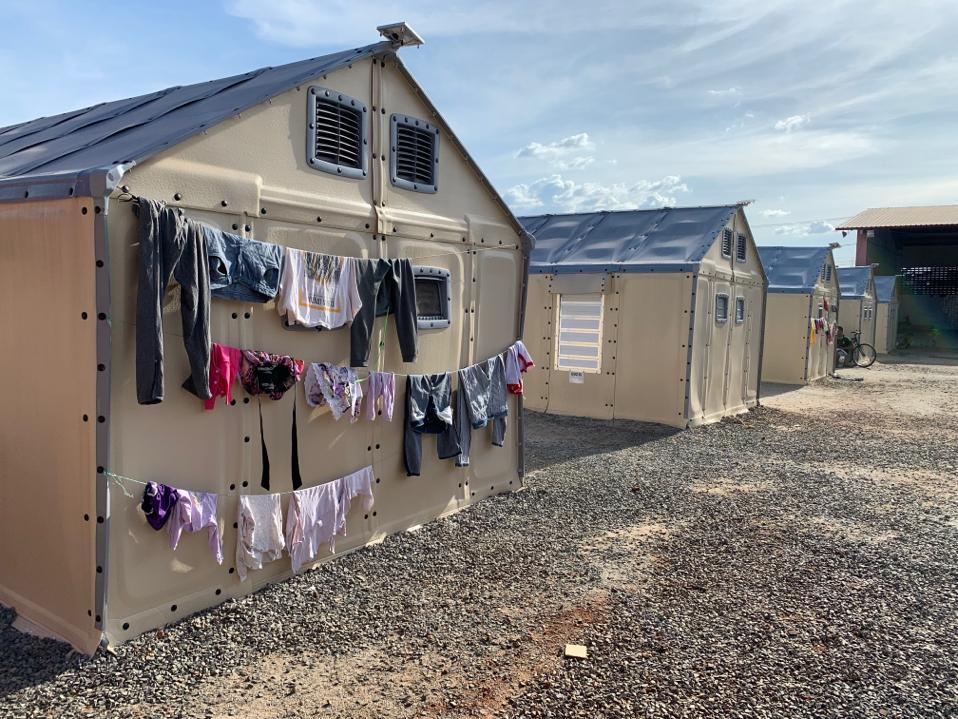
x=415 y=154
x=415 y=157
x=741 y=248
x=726 y=242
x=339 y=134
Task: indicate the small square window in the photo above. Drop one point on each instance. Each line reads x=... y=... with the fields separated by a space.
x=739 y=310
x=721 y=308
x=741 y=248
x=727 y=242
x=433 y=298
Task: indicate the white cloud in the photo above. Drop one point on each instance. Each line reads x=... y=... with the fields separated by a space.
x=726 y=93
x=818 y=227
x=792 y=123
x=567 y=145
x=557 y=194
x=775 y=213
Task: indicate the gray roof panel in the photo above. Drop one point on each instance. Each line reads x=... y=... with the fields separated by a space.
x=853 y=281
x=669 y=239
x=793 y=269
x=131 y=130
x=885 y=287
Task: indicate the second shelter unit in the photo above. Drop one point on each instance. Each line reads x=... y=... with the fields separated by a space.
x=857 y=310
x=886 y=313
x=652 y=315
x=802 y=288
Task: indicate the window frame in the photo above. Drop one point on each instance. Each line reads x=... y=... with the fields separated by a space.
x=718 y=296
x=395 y=121
x=599 y=332
x=317 y=92
x=740 y=302
x=442 y=277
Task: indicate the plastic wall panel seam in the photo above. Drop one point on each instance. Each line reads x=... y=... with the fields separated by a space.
x=693 y=284
x=104 y=359
x=761 y=346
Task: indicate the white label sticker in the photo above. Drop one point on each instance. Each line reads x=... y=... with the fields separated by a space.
x=576 y=378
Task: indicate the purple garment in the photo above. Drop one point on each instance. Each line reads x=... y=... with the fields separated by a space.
x=158 y=503
x=193 y=512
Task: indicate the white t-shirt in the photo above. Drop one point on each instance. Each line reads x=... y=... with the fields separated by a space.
x=318 y=290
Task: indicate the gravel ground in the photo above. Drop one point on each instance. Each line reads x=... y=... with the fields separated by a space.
x=799 y=561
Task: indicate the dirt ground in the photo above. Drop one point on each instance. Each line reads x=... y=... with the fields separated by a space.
x=799 y=561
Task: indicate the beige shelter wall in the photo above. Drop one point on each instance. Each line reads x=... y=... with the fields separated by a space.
x=821 y=355
x=725 y=356
x=652 y=346
x=541 y=307
x=886 y=327
x=47 y=440
x=850 y=316
x=594 y=396
x=257 y=163
x=786 y=338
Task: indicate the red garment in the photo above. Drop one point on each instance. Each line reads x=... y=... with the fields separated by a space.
x=224 y=371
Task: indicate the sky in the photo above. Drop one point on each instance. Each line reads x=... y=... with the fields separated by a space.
x=812 y=111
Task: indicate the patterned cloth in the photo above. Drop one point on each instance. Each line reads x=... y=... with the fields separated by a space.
x=159 y=501
x=337 y=387
x=272 y=375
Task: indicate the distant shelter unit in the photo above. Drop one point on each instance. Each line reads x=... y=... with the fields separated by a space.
x=802 y=293
x=303 y=188
x=652 y=315
x=856 y=312
x=886 y=315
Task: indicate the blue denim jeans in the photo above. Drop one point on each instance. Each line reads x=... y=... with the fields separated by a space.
x=242 y=269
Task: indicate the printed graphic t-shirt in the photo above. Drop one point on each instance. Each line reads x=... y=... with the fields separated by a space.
x=318 y=290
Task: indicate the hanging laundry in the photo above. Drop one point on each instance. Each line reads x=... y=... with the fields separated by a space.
x=391 y=283
x=193 y=512
x=481 y=399
x=242 y=269
x=517 y=361
x=381 y=391
x=311 y=522
x=825 y=304
x=337 y=387
x=273 y=375
x=318 y=290
x=158 y=503
x=811 y=334
x=428 y=411
x=171 y=247
x=224 y=371
x=259 y=535
x=357 y=484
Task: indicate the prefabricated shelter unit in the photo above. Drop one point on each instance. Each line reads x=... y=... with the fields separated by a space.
x=886 y=313
x=856 y=312
x=802 y=287
x=650 y=315
x=341 y=154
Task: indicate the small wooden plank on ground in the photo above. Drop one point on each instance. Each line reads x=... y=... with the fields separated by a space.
x=576 y=651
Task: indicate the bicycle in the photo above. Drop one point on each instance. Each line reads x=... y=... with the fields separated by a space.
x=862 y=353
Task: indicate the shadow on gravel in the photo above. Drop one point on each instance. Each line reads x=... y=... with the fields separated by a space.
x=25 y=660
x=559 y=439
x=771 y=389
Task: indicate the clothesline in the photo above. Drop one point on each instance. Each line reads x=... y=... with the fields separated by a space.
x=119 y=478
x=130 y=197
